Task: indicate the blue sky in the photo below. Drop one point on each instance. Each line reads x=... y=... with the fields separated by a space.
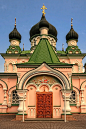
x=28 y=13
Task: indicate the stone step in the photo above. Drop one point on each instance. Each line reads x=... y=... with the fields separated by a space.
x=44 y=119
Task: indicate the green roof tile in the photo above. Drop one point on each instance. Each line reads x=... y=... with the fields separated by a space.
x=44 y=53
x=24 y=52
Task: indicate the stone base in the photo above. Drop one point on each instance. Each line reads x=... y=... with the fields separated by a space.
x=20 y=116
x=68 y=117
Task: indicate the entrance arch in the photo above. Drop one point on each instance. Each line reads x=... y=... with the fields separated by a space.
x=55 y=73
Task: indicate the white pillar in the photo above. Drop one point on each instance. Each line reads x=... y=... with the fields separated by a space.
x=78 y=100
x=20 y=94
x=67 y=97
x=82 y=96
x=9 y=103
x=5 y=97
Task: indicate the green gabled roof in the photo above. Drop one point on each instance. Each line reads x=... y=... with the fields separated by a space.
x=44 y=53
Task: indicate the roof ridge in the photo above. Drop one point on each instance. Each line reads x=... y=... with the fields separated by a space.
x=43 y=53
x=35 y=50
x=53 y=52
x=48 y=50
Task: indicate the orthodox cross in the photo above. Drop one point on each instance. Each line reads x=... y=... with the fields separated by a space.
x=71 y=22
x=43 y=7
x=15 y=22
x=63 y=47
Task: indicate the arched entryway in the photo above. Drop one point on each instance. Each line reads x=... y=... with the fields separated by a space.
x=54 y=81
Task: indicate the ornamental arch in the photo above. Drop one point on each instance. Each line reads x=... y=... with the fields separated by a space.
x=51 y=72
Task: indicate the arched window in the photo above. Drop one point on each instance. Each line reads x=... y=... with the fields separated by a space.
x=10 y=67
x=73 y=97
x=15 y=97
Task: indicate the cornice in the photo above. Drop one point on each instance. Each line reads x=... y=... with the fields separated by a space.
x=8 y=74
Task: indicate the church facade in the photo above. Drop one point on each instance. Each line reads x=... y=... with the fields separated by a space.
x=42 y=81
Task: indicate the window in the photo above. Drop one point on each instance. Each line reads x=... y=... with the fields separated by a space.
x=15 y=97
x=73 y=98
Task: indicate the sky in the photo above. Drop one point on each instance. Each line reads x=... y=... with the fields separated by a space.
x=28 y=13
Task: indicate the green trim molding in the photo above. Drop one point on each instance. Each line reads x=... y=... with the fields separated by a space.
x=72 y=104
x=14 y=104
x=66 y=114
x=32 y=106
x=21 y=114
x=57 y=106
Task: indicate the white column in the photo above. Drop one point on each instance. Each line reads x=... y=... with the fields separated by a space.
x=78 y=100
x=20 y=94
x=5 y=97
x=82 y=96
x=67 y=97
x=9 y=103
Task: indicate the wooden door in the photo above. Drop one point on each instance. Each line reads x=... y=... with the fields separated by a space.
x=44 y=104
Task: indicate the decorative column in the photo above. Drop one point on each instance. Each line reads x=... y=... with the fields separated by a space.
x=82 y=96
x=66 y=95
x=78 y=100
x=22 y=95
x=5 y=97
x=9 y=103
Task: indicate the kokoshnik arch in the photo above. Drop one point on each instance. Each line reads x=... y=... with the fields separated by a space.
x=43 y=75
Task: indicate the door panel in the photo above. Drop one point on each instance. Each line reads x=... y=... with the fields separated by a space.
x=44 y=105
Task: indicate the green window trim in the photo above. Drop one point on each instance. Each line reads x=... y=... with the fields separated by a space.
x=57 y=106
x=72 y=104
x=14 y=104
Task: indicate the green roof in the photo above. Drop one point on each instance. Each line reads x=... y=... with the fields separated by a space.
x=60 y=52
x=44 y=53
x=25 y=52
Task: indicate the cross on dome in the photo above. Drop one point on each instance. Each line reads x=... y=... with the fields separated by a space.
x=43 y=7
x=71 y=22
x=15 y=22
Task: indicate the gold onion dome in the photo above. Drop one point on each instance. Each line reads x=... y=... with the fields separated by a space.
x=72 y=34
x=15 y=34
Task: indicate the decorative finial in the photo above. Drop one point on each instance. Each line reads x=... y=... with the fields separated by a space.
x=43 y=7
x=15 y=22
x=71 y=22
x=63 y=47
x=23 y=46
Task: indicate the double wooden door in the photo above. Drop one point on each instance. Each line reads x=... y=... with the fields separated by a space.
x=44 y=104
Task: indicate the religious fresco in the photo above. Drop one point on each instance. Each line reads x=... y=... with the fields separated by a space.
x=44 y=79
